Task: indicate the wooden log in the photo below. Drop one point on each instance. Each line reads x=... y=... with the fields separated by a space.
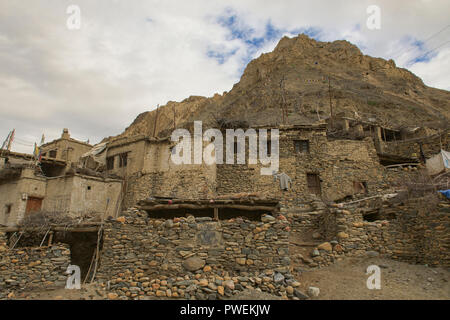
x=216 y=213
x=211 y=206
x=50 y=238
x=70 y=229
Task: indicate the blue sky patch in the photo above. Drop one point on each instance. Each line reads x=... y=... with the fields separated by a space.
x=240 y=30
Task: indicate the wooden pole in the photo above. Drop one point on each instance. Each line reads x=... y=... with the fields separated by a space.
x=50 y=238
x=156 y=119
x=174 y=117
x=331 y=104
x=216 y=214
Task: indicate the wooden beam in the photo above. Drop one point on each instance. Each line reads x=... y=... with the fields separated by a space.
x=200 y=207
x=69 y=229
x=50 y=238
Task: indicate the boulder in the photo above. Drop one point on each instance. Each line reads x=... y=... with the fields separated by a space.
x=267 y=218
x=313 y=291
x=342 y=235
x=193 y=264
x=326 y=246
x=300 y=294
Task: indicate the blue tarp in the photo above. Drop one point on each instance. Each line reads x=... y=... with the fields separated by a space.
x=445 y=193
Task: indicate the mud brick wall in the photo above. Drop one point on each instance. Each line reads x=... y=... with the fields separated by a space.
x=25 y=269
x=162 y=247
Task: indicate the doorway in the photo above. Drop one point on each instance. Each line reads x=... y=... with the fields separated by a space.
x=33 y=205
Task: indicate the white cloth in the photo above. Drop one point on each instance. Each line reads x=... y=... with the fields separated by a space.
x=285 y=180
x=438 y=163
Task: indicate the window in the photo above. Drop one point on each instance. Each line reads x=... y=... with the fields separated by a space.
x=301 y=146
x=269 y=147
x=110 y=163
x=313 y=182
x=52 y=153
x=89 y=187
x=8 y=208
x=236 y=147
x=123 y=160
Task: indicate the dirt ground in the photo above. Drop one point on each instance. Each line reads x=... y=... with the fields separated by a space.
x=344 y=280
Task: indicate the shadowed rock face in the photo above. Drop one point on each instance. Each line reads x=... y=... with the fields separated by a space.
x=293 y=80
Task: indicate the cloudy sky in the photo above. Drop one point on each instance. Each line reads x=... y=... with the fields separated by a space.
x=128 y=56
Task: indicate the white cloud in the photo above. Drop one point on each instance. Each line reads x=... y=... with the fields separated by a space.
x=436 y=70
x=130 y=56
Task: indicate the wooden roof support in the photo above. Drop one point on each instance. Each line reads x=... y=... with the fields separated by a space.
x=200 y=207
x=60 y=229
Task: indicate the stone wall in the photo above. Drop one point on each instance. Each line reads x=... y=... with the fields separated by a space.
x=415 y=235
x=24 y=269
x=410 y=148
x=193 y=183
x=139 y=251
x=338 y=163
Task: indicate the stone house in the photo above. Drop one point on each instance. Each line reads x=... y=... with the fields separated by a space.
x=64 y=149
x=26 y=188
x=332 y=168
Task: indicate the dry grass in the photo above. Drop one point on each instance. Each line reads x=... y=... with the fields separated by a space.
x=41 y=221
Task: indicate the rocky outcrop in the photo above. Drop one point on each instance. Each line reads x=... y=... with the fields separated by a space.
x=290 y=85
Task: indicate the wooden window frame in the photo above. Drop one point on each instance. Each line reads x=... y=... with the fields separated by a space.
x=315 y=188
x=301 y=146
x=123 y=160
x=110 y=162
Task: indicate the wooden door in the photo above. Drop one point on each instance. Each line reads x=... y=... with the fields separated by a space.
x=313 y=183
x=33 y=205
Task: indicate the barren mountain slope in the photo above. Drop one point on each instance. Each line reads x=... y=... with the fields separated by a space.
x=293 y=80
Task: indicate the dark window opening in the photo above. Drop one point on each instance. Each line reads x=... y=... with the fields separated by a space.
x=50 y=170
x=236 y=147
x=44 y=154
x=8 y=208
x=110 y=163
x=371 y=217
x=224 y=214
x=89 y=187
x=123 y=160
x=313 y=182
x=82 y=245
x=52 y=154
x=269 y=147
x=390 y=135
x=179 y=213
x=230 y=213
x=301 y=146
